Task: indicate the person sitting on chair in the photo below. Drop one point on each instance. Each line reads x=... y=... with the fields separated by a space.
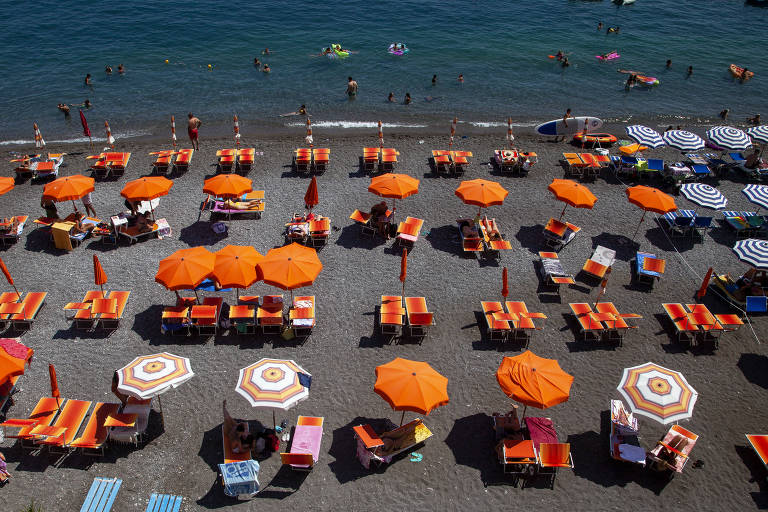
x=379 y=212
x=80 y=228
x=677 y=444
x=237 y=432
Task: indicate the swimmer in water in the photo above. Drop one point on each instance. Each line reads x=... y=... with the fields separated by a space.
x=266 y=51
x=108 y=69
x=559 y=55
x=669 y=63
x=461 y=78
x=599 y=25
x=121 y=69
x=256 y=62
x=407 y=100
x=434 y=79
x=88 y=79
x=64 y=108
x=351 y=87
x=266 y=68
x=302 y=110
x=565 y=63
x=391 y=97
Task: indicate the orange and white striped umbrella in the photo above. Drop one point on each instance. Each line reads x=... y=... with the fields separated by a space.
x=658 y=393
x=308 y=139
x=276 y=383
x=110 y=138
x=173 y=131
x=39 y=142
x=152 y=375
x=381 y=136
x=510 y=136
x=237 y=132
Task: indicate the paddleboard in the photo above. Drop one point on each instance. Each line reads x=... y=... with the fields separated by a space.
x=610 y=56
x=575 y=125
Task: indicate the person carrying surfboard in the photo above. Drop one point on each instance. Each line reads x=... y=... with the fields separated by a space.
x=565 y=120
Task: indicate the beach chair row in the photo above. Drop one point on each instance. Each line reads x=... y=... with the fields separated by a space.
x=381 y=159
x=696 y=323
x=314 y=160
x=103 y=493
x=584 y=165
x=235 y=160
x=172 y=160
x=604 y=323
x=19 y=311
x=412 y=321
x=515 y=324
x=685 y=223
x=98 y=310
x=38 y=167
x=514 y=162
x=111 y=163
x=450 y=162
x=746 y=224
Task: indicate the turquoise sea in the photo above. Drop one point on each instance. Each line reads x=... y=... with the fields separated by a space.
x=501 y=48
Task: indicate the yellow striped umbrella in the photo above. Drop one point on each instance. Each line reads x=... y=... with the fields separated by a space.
x=275 y=383
x=658 y=393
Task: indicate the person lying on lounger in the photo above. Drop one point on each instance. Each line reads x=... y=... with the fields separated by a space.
x=242 y=205
x=80 y=228
x=468 y=230
x=239 y=438
x=395 y=440
x=670 y=456
x=3 y=467
x=144 y=223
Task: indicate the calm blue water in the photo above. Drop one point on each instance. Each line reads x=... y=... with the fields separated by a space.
x=501 y=48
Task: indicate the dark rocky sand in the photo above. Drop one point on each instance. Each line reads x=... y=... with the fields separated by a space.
x=458 y=470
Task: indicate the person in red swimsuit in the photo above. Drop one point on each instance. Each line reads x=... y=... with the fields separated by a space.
x=194 y=124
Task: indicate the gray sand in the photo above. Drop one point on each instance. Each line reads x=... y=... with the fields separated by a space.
x=458 y=469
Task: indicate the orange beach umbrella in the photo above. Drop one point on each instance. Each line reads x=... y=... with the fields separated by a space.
x=99 y=276
x=481 y=193
x=235 y=266
x=533 y=380
x=572 y=193
x=6 y=185
x=650 y=200
x=394 y=186
x=411 y=386
x=8 y=277
x=14 y=357
x=311 y=197
x=68 y=188
x=290 y=267
x=185 y=268
x=146 y=188
x=227 y=185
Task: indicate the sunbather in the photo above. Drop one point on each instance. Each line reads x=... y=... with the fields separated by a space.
x=144 y=223
x=115 y=391
x=4 y=467
x=80 y=228
x=678 y=444
x=393 y=441
x=753 y=160
x=239 y=440
x=242 y=205
x=468 y=230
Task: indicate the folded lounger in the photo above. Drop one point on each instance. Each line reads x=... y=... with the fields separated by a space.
x=245 y=159
x=64 y=430
x=32 y=302
x=319 y=230
x=600 y=262
x=95 y=434
x=305 y=443
x=364 y=220
x=208 y=326
x=42 y=415
x=379 y=449
x=552 y=271
x=321 y=158
x=102 y=495
x=239 y=472
x=671 y=453
x=574 y=165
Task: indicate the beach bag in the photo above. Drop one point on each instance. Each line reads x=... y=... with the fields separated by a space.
x=288 y=334
x=219 y=228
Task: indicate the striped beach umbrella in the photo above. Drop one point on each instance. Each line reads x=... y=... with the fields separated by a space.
x=759 y=133
x=510 y=136
x=683 y=140
x=173 y=131
x=645 y=136
x=149 y=376
x=275 y=383
x=658 y=393
x=704 y=195
x=39 y=141
x=237 y=132
x=753 y=251
x=308 y=139
x=757 y=194
x=381 y=136
x=729 y=137
x=110 y=138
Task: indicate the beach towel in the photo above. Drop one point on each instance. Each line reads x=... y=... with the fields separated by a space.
x=240 y=478
x=541 y=430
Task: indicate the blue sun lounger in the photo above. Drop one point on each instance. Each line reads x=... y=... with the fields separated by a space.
x=655 y=164
x=102 y=495
x=701 y=171
x=164 y=503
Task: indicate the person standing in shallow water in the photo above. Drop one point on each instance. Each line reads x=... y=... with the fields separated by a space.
x=351 y=87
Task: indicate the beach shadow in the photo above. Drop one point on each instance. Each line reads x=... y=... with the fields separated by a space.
x=657 y=237
x=584 y=446
x=674 y=346
x=147 y=325
x=479 y=453
x=723 y=234
x=285 y=483
x=758 y=472
x=345 y=465
x=531 y=238
x=593 y=341
x=351 y=237
x=72 y=333
x=753 y=367
x=40 y=240
x=200 y=233
x=446 y=238
x=624 y=247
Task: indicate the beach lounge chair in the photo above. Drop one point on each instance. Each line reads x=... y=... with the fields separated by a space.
x=117 y=163
x=391 y=314
x=301 y=317
x=269 y=316
x=164 y=503
x=226 y=160
x=163 y=161
x=305 y=444
x=493 y=240
x=459 y=161
x=672 y=452
x=524 y=326
x=102 y=494
x=183 y=159
x=600 y=262
x=95 y=434
x=243 y=318
x=408 y=232
x=587 y=321
x=42 y=415
x=759 y=443
x=681 y=321
x=375 y=449
x=470 y=244
x=135 y=431
x=553 y=456
x=205 y=317
x=388 y=160
x=552 y=272
x=8 y=302
x=592 y=166
x=615 y=323
x=12 y=228
x=33 y=302
x=321 y=159
x=624 y=444
x=239 y=472
x=574 y=165
x=518 y=457
x=558 y=234
x=419 y=318
x=111 y=320
x=302 y=160
x=363 y=220
x=497 y=320
x=221 y=208
x=506 y=160
x=319 y=230
x=43 y=169
x=58 y=436
x=175 y=320
x=700 y=227
x=245 y=158
x=297 y=230
x=83 y=317
x=370 y=159
x=648 y=268
x=442 y=161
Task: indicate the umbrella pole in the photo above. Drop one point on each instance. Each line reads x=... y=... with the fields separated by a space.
x=525 y=407
x=197 y=299
x=162 y=417
x=563 y=212
x=402 y=417
x=17 y=291
x=638 y=226
x=274 y=421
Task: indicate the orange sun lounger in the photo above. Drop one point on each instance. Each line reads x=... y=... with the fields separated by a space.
x=95 y=434
x=229 y=454
x=759 y=443
x=553 y=456
x=64 y=430
x=681 y=320
x=32 y=302
x=109 y=321
x=43 y=414
x=183 y=159
x=587 y=321
x=498 y=328
x=680 y=455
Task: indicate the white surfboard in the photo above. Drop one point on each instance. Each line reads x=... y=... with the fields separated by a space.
x=574 y=125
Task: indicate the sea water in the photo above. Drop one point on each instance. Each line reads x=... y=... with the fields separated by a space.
x=501 y=49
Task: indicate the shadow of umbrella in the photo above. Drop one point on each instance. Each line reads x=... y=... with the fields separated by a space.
x=753 y=367
x=478 y=454
x=345 y=465
x=532 y=238
x=624 y=247
x=200 y=233
x=446 y=238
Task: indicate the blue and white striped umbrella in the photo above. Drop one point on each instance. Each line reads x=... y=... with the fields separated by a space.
x=729 y=137
x=753 y=251
x=645 y=136
x=683 y=140
x=759 y=133
x=704 y=195
x=757 y=194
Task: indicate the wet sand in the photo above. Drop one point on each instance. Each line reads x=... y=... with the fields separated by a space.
x=458 y=469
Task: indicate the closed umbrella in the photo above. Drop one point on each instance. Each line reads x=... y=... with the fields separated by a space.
x=650 y=200
x=86 y=130
x=411 y=386
x=450 y=141
x=504 y=284
x=55 y=393
x=308 y=139
x=381 y=135
x=110 y=138
x=275 y=383
x=510 y=135
x=757 y=194
x=572 y=193
x=173 y=132
x=68 y=188
x=39 y=141
x=289 y=267
x=704 y=195
x=311 y=197
x=683 y=140
x=534 y=381
x=645 y=136
x=658 y=393
x=759 y=133
x=481 y=193
x=237 y=132
x=8 y=277
x=99 y=276
x=6 y=185
x=753 y=251
x=728 y=137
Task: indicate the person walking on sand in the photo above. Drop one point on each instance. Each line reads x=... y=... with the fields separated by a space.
x=192 y=127
x=351 y=87
x=88 y=204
